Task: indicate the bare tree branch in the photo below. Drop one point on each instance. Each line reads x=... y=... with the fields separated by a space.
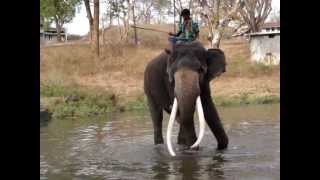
x=255 y=12
x=217 y=15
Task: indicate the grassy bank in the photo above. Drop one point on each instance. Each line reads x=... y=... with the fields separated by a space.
x=75 y=83
x=75 y=100
x=66 y=101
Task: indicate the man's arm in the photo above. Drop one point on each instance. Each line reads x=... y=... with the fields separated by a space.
x=178 y=33
x=172 y=34
x=196 y=30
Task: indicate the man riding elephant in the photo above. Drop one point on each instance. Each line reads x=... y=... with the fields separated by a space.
x=178 y=82
x=188 y=29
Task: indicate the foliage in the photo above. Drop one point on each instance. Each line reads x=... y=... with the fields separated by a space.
x=117 y=8
x=161 y=5
x=61 y=10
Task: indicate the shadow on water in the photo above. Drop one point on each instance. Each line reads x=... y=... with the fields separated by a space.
x=216 y=168
x=120 y=146
x=190 y=167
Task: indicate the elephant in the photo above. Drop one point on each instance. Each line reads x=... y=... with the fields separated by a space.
x=183 y=73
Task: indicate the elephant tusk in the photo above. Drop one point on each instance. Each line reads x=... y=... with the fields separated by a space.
x=201 y=122
x=170 y=125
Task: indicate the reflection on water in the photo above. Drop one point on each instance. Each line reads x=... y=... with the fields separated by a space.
x=120 y=146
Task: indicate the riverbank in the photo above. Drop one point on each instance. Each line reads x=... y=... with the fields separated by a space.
x=74 y=83
x=63 y=101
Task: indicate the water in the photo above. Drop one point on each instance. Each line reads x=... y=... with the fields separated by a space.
x=120 y=146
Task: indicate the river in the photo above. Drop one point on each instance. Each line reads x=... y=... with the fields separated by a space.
x=120 y=146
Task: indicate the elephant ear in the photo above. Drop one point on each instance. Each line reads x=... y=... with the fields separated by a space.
x=216 y=63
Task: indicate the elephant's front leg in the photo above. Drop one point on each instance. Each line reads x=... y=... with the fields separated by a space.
x=214 y=122
x=212 y=118
x=157 y=116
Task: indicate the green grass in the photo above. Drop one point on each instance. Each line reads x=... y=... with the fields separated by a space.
x=65 y=101
x=138 y=104
x=93 y=102
x=245 y=99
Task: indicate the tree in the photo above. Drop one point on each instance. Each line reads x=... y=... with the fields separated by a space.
x=89 y=16
x=255 y=12
x=144 y=10
x=94 y=24
x=178 y=6
x=122 y=9
x=58 y=11
x=217 y=15
x=162 y=7
x=95 y=34
x=275 y=16
x=134 y=23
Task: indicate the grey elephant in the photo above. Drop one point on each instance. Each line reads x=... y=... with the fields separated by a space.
x=175 y=80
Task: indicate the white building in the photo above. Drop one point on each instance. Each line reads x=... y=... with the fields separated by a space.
x=50 y=35
x=265 y=45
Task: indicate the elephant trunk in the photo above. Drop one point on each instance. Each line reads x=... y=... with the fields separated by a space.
x=186 y=91
x=187 y=96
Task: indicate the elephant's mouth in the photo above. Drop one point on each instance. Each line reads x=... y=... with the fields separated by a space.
x=171 y=122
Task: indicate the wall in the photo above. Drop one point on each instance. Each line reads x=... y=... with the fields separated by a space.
x=52 y=39
x=265 y=50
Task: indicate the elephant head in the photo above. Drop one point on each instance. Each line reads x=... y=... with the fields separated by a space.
x=188 y=67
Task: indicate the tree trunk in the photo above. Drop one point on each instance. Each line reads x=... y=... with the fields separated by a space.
x=119 y=28
x=147 y=18
x=103 y=29
x=58 y=27
x=91 y=31
x=126 y=21
x=134 y=23
x=89 y=16
x=95 y=44
x=110 y=18
x=215 y=39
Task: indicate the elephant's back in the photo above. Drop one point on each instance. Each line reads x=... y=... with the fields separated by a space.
x=156 y=65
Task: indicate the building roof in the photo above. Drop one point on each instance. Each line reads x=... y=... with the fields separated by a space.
x=270 y=25
x=264 y=33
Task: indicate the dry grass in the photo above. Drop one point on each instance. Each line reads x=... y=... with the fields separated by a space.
x=120 y=68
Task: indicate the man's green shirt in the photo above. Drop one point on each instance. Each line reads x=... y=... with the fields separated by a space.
x=185 y=34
